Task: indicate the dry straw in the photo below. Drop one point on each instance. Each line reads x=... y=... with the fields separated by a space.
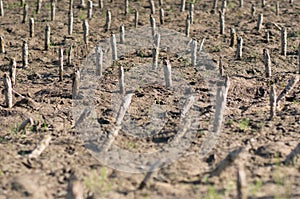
x=126 y=8
x=241 y=183
x=153 y=25
x=70 y=55
x=253 y=10
x=221 y=69
x=70 y=20
x=100 y=4
x=85 y=31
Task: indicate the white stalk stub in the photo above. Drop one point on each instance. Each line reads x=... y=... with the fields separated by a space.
x=139 y=76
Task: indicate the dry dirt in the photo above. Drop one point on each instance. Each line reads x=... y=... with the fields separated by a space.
x=48 y=101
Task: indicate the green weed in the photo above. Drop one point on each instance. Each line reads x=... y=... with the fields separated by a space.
x=244 y=124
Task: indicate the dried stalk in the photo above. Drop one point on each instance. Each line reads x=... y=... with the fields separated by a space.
x=221 y=69
x=157 y=40
x=47 y=37
x=136 y=18
x=152 y=7
x=70 y=20
x=277 y=8
x=267 y=36
x=239 y=51
x=291 y=84
x=25 y=54
x=2 y=46
x=222 y=22
x=99 y=61
x=90 y=9
x=273 y=100
x=232 y=37
x=283 y=41
x=75 y=84
x=253 y=10
x=149 y=173
x=113 y=43
x=187 y=26
x=82 y=4
x=126 y=7
x=241 y=184
x=263 y=3
x=123 y=108
x=299 y=58
x=182 y=5
x=153 y=25
x=38 y=6
x=194 y=53
x=161 y=3
x=201 y=44
x=214 y=8
x=100 y=4
x=162 y=16
x=1 y=9
x=25 y=123
x=191 y=13
x=241 y=3
x=259 y=22
x=8 y=90
x=108 y=20
x=40 y=148
x=85 y=31
x=155 y=55
x=267 y=61
x=61 y=63
x=168 y=73
x=121 y=80
x=223 y=6
x=122 y=34
x=13 y=71
x=25 y=13
x=53 y=10
x=31 y=27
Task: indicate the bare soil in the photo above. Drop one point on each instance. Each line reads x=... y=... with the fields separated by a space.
x=48 y=101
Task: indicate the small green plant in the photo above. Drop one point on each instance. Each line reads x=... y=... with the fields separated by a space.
x=131 y=145
x=244 y=124
x=97 y=183
x=217 y=48
x=81 y=14
x=230 y=5
x=211 y=193
x=256 y=187
x=12 y=5
x=44 y=126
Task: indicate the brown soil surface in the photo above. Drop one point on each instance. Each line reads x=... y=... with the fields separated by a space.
x=48 y=101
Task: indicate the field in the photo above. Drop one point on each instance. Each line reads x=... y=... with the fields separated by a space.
x=264 y=151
